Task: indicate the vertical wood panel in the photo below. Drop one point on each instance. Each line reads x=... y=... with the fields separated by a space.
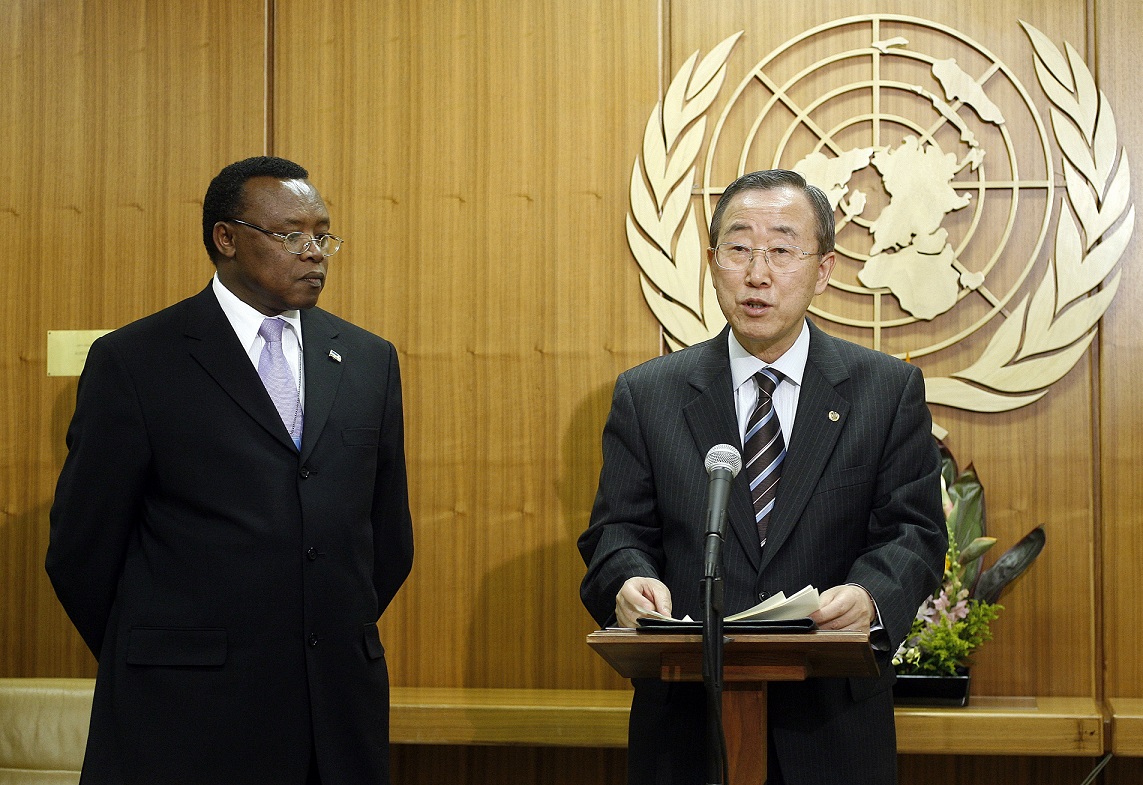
x=972 y=770
x=118 y=115
x=1121 y=366
x=477 y=157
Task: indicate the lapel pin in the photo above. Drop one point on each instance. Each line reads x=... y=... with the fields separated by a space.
x=834 y=416
x=337 y=358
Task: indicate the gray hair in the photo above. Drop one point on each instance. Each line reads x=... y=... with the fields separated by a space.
x=779 y=178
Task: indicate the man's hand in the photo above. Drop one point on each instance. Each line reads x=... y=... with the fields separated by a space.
x=637 y=597
x=845 y=608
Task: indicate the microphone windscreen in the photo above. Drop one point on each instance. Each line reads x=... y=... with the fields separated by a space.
x=724 y=456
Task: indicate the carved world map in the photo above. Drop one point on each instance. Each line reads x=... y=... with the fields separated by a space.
x=911 y=255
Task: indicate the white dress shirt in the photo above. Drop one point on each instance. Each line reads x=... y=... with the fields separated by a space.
x=792 y=365
x=246 y=321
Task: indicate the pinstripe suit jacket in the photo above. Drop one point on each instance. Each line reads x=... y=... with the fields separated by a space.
x=859 y=502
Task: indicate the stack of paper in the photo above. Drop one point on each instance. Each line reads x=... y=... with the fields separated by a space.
x=779 y=607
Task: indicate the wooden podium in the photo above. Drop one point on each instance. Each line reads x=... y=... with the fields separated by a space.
x=749 y=663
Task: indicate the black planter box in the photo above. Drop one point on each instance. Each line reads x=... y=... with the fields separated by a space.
x=931 y=690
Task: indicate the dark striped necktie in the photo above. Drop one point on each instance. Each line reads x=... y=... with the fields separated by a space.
x=765 y=450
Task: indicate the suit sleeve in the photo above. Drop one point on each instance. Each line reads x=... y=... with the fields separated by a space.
x=624 y=537
x=392 y=521
x=98 y=499
x=907 y=539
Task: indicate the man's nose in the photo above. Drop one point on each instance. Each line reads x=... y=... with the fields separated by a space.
x=758 y=272
x=312 y=252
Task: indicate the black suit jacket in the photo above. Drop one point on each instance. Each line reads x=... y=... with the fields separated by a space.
x=228 y=584
x=858 y=502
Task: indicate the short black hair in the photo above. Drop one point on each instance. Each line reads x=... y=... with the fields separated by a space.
x=779 y=178
x=223 y=198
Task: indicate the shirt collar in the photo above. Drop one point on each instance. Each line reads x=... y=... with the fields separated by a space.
x=792 y=364
x=246 y=319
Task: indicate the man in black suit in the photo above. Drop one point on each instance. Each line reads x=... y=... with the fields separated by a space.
x=224 y=555
x=857 y=511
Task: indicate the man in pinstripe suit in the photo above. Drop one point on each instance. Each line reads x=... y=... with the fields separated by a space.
x=857 y=514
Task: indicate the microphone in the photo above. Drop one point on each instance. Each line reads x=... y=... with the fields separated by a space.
x=723 y=463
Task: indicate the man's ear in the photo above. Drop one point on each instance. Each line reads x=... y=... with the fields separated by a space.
x=824 y=270
x=224 y=239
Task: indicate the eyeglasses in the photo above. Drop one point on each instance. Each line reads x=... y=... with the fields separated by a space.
x=298 y=242
x=780 y=258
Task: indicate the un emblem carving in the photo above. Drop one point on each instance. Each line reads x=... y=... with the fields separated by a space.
x=910 y=128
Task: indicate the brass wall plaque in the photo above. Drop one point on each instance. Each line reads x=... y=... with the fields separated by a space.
x=67 y=350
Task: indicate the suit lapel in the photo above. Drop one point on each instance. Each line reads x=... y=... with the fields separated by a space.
x=323 y=363
x=711 y=419
x=821 y=417
x=212 y=343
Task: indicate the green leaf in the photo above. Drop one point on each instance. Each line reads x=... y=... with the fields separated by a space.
x=1009 y=566
x=976 y=549
x=966 y=521
x=968 y=516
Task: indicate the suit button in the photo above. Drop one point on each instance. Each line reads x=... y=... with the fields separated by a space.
x=311 y=554
x=313 y=639
x=304 y=471
x=762 y=596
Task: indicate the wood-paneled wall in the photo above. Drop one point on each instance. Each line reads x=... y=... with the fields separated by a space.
x=118 y=114
x=485 y=245
x=477 y=156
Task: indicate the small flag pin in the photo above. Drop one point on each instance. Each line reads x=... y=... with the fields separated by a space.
x=337 y=358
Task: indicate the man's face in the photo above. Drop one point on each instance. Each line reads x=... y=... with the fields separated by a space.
x=765 y=309
x=256 y=267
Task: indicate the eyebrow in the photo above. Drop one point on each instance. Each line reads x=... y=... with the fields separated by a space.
x=741 y=225
x=296 y=223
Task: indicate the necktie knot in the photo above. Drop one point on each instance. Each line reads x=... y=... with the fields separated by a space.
x=768 y=380
x=271 y=330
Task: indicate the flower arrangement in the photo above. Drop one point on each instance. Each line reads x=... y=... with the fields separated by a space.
x=957 y=619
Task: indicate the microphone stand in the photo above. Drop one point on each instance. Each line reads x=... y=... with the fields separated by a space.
x=712 y=649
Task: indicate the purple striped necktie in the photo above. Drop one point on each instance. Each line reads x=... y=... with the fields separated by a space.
x=279 y=380
x=765 y=450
